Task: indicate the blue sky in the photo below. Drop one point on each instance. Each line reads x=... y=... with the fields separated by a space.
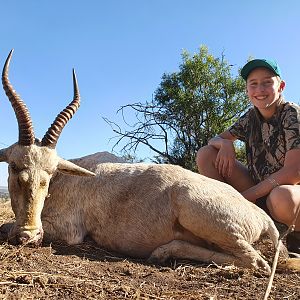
x=120 y=49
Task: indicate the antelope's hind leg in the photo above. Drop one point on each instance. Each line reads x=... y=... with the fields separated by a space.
x=247 y=256
x=185 y=250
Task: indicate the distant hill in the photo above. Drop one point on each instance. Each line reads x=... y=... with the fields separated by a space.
x=3 y=191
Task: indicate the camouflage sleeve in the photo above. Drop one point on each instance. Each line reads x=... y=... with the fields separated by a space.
x=239 y=128
x=291 y=127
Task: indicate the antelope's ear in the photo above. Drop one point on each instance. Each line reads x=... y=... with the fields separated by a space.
x=3 y=156
x=68 y=167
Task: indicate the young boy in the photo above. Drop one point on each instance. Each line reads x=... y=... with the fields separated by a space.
x=271 y=132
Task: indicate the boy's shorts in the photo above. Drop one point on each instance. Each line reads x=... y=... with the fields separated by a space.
x=262 y=203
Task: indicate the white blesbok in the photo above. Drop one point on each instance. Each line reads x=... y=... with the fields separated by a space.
x=140 y=210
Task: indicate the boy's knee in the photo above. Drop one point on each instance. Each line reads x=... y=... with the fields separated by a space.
x=281 y=205
x=204 y=155
x=206 y=152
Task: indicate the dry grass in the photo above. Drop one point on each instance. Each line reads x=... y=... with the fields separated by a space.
x=86 y=271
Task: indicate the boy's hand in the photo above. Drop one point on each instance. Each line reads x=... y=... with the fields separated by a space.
x=226 y=158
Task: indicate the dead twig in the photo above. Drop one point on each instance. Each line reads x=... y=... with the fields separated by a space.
x=276 y=256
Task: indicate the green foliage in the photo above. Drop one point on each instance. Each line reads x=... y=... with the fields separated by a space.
x=240 y=151
x=131 y=158
x=189 y=107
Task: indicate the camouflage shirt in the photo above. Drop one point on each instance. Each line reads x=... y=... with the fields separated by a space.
x=267 y=141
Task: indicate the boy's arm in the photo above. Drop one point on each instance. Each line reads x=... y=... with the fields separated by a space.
x=288 y=174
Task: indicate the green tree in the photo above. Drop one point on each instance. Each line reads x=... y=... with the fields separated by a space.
x=188 y=108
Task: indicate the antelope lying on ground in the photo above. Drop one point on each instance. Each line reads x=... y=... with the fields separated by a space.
x=140 y=210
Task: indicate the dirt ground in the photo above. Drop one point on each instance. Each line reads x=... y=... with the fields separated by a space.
x=85 y=271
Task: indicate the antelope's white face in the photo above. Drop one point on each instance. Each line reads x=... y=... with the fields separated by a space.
x=30 y=170
x=31 y=165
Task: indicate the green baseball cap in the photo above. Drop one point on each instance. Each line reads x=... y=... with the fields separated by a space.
x=257 y=63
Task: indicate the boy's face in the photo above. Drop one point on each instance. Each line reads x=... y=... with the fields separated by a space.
x=264 y=88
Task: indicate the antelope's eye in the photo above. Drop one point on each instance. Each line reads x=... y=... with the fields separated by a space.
x=13 y=167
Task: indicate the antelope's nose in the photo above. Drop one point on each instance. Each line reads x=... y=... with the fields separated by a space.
x=33 y=237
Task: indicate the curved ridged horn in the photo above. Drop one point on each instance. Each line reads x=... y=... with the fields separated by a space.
x=26 y=134
x=51 y=137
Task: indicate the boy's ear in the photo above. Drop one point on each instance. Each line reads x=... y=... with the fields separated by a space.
x=281 y=86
